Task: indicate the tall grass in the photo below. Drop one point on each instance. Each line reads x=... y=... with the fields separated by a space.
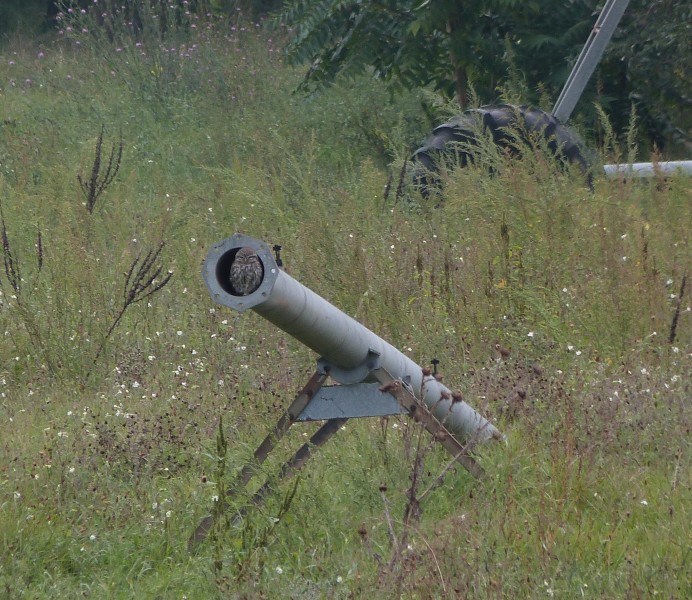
x=549 y=307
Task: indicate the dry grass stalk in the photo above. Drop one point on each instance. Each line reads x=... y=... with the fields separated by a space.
x=11 y=264
x=98 y=181
x=141 y=282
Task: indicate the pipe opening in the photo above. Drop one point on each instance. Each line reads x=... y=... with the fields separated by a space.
x=243 y=278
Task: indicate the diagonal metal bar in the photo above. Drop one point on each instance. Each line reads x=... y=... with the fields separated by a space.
x=245 y=474
x=282 y=426
x=421 y=413
x=298 y=460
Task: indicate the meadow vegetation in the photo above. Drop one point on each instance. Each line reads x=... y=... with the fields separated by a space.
x=128 y=399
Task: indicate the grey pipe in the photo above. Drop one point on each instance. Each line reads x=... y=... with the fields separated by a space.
x=643 y=169
x=350 y=349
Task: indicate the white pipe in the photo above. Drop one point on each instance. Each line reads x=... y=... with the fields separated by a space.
x=680 y=167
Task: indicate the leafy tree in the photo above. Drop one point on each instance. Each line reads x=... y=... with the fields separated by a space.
x=446 y=43
x=648 y=65
x=23 y=15
x=452 y=44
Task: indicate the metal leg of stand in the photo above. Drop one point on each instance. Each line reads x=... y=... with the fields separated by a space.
x=280 y=429
x=263 y=450
x=421 y=413
x=319 y=438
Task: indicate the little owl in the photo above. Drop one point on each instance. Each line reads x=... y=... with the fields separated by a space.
x=246 y=272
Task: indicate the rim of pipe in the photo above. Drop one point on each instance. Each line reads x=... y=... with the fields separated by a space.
x=217 y=268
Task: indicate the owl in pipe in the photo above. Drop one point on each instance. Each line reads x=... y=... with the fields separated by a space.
x=246 y=272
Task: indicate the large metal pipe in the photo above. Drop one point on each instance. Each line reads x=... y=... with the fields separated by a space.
x=349 y=349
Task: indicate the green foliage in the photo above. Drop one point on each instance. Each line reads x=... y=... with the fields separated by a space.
x=451 y=46
x=493 y=46
x=23 y=15
x=549 y=307
x=446 y=44
x=649 y=58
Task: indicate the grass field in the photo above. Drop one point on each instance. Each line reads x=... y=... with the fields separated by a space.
x=114 y=389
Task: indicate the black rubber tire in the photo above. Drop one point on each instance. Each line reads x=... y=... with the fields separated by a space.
x=507 y=124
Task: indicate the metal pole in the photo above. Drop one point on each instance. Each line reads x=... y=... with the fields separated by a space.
x=591 y=53
x=348 y=349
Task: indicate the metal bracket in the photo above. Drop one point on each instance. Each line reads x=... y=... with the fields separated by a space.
x=350 y=402
x=353 y=375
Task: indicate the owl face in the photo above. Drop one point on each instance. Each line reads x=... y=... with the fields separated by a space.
x=246 y=256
